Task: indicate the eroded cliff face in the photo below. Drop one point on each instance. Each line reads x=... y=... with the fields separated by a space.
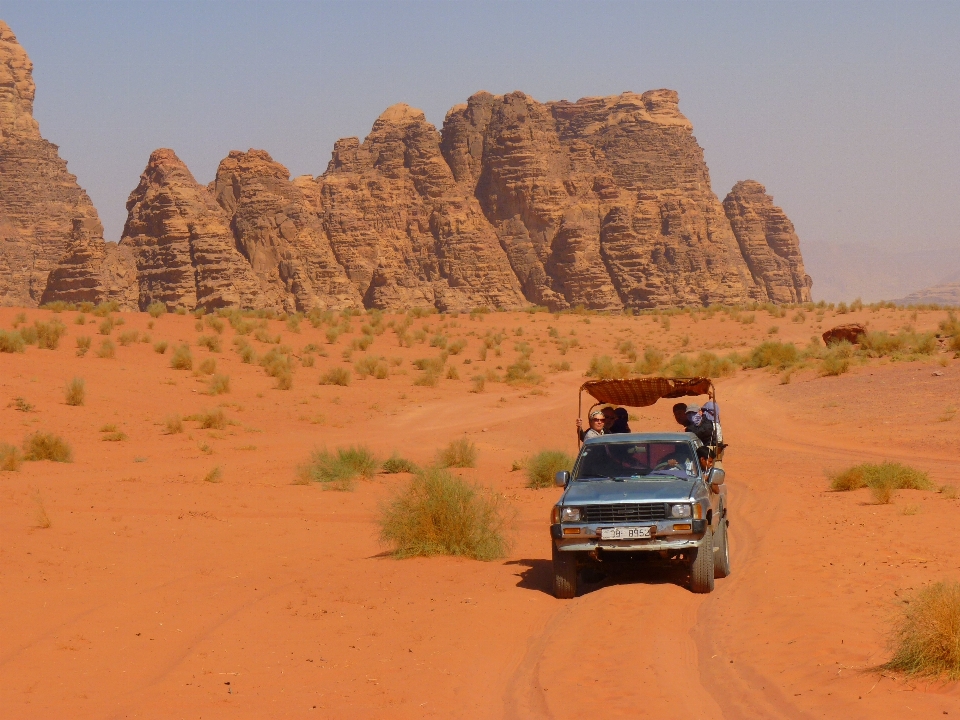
x=768 y=243
x=44 y=214
x=604 y=202
x=404 y=230
x=184 y=249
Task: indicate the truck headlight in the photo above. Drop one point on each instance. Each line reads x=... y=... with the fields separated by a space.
x=570 y=514
x=680 y=511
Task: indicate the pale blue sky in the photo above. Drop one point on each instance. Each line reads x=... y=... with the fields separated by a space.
x=848 y=112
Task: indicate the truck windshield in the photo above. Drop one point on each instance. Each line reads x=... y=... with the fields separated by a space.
x=648 y=460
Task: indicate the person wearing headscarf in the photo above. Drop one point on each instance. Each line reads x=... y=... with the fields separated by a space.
x=699 y=425
x=620 y=424
x=680 y=414
x=711 y=411
x=596 y=425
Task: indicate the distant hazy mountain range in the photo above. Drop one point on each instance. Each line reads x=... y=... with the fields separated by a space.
x=847 y=271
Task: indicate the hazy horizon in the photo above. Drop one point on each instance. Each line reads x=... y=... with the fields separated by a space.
x=847 y=113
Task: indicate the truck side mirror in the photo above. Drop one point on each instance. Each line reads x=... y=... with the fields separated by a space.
x=716 y=476
x=562 y=478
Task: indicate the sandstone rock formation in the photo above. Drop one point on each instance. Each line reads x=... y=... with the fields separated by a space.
x=43 y=212
x=184 y=249
x=768 y=243
x=604 y=202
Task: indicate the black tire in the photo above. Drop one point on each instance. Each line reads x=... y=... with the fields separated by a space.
x=701 y=569
x=564 y=574
x=721 y=561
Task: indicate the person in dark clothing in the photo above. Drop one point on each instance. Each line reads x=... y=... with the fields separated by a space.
x=699 y=425
x=620 y=424
x=680 y=414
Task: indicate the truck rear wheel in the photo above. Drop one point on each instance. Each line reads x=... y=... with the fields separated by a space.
x=701 y=570
x=564 y=574
x=721 y=563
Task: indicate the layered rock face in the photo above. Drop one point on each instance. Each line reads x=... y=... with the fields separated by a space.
x=604 y=203
x=44 y=214
x=768 y=243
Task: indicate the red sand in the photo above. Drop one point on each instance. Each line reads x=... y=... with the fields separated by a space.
x=154 y=594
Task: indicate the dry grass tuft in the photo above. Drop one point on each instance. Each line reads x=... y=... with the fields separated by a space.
x=182 y=359
x=173 y=425
x=208 y=366
x=883 y=480
x=156 y=309
x=107 y=350
x=460 y=453
x=114 y=437
x=949 y=492
x=160 y=347
x=10 y=458
x=604 y=368
x=11 y=342
x=337 y=471
x=396 y=464
x=43 y=520
x=542 y=467
x=49 y=333
x=214 y=476
x=926 y=637
x=210 y=342
x=336 y=376
x=210 y=419
x=76 y=392
x=219 y=384
x=46 y=446
x=83 y=345
x=440 y=514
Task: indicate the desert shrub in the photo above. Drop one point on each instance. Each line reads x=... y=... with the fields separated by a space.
x=799 y=317
x=107 y=350
x=10 y=457
x=11 y=342
x=883 y=479
x=371 y=365
x=651 y=362
x=361 y=343
x=926 y=637
x=214 y=323
x=173 y=425
x=460 y=453
x=773 y=354
x=219 y=384
x=115 y=436
x=105 y=308
x=80 y=319
x=836 y=360
x=479 y=383
x=49 y=333
x=156 y=309
x=46 y=446
x=440 y=514
x=58 y=306
x=604 y=368
x=521 y=372
x=106 y=327
x=261 y=335
x=83 y=345
x=883 y=344
x=452 y=373
x=562 y=366
x=336 y=376
x=210 y=419
x=280 y=366
x=208 y=366
x=127 y=337
x=20 y=319
x=396 y=464
x=439 y=341
x=182 y=358
x=210 y=342
x=542 y=467
x=307 y=360
x=214 y=476
x=76 y=391
x=457 y=346
x=338 y=470
x=160 y=347
x=706 y=364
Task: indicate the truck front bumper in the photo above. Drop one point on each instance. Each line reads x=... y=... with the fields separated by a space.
x=665 y=538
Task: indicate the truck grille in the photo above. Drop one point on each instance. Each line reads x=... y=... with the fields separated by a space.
x=624 y=512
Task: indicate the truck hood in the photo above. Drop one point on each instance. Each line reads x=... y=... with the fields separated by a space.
x=592 y=492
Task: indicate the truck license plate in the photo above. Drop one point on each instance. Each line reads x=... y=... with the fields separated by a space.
x=624 y=533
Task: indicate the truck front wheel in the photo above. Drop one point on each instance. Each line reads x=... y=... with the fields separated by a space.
x=564 y=573
x=701 y=570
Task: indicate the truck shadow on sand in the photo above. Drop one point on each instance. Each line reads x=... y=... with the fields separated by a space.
x=537 y=575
